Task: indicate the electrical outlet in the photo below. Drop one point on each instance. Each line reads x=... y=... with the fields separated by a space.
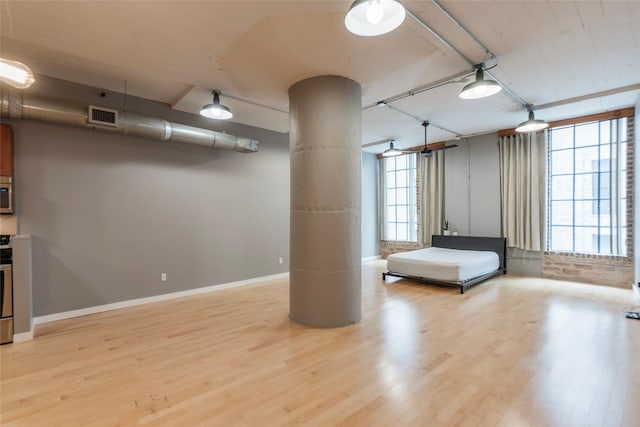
x=163 y=277
x=280 y=260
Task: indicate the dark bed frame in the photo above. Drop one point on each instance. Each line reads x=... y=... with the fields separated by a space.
x=493 y=244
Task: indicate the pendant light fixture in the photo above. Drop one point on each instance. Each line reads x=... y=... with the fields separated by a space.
x=374 y=17
x=16 y=74
x=532 y=125
x=216 y=110
x=481 y=88
x=391 y=151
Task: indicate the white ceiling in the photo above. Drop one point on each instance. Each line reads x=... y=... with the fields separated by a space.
x=178 y=51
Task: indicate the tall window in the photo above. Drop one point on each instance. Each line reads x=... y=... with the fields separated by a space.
x=587 y=188
x=400 y=194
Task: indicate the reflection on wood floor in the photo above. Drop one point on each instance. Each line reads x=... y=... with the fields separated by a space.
x=510 y=352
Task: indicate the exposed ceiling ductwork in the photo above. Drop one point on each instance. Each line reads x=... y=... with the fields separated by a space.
x=32 y=107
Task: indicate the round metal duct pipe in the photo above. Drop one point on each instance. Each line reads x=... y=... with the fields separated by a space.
x=32 y=107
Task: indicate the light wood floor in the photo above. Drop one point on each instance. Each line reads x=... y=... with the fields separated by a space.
x=510 y=352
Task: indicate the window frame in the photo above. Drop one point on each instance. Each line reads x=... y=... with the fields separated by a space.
x=410 y=197
x=619 y=127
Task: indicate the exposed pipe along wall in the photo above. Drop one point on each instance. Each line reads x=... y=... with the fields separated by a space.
x=27 y=106
x=325 y=144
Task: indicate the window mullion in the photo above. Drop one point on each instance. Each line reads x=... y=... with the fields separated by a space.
x=612 y=186
x=549 y=190
x=573 y=203
x=614 y=195
x=599 y=193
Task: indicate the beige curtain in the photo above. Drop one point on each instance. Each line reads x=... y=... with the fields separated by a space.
x=523 y=160
x=382 y=197
x=431 y=195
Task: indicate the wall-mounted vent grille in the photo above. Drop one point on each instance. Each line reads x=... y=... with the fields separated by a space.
x=103 y=116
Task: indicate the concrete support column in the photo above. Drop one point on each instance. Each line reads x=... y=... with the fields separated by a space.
x=325 y=142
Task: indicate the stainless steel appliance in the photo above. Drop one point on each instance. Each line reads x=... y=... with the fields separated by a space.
x=6 y=290
x=6 y=194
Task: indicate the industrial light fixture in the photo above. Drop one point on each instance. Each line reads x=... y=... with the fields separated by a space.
x=391 y=151
x=532 y=125
x=16 y=74
x=481 y=88
x=216 y=110
x=374 y=17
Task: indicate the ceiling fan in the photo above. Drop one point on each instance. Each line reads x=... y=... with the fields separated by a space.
x=426 y=151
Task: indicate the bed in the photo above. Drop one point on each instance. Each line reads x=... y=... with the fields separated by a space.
x=451 y=261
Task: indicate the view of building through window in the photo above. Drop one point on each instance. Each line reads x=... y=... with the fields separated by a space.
x=587 y=173
x=400 y=187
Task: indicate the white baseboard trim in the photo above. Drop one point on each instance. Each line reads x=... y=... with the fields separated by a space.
x=156 y=298
x=22 y=337
x=371 y=258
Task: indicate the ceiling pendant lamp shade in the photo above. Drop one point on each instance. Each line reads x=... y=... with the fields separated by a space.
x=481 y=88
x=374 y=17
x=391 y=151
x=16 y=74
x=216 y=110
x=532 y=125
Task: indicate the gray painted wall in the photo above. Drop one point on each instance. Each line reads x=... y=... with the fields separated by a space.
x=109 y=213
x=22 y=285
x=472 y=186
x=369 y=216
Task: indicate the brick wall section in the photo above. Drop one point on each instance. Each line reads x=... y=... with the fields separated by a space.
x=596 y=269
x=388 y=247
x=599 y=269
x=630 y=189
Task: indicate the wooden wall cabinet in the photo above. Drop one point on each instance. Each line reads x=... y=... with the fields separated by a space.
x=6 y=151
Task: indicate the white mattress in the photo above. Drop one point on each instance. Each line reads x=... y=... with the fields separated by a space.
x=441 y=264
